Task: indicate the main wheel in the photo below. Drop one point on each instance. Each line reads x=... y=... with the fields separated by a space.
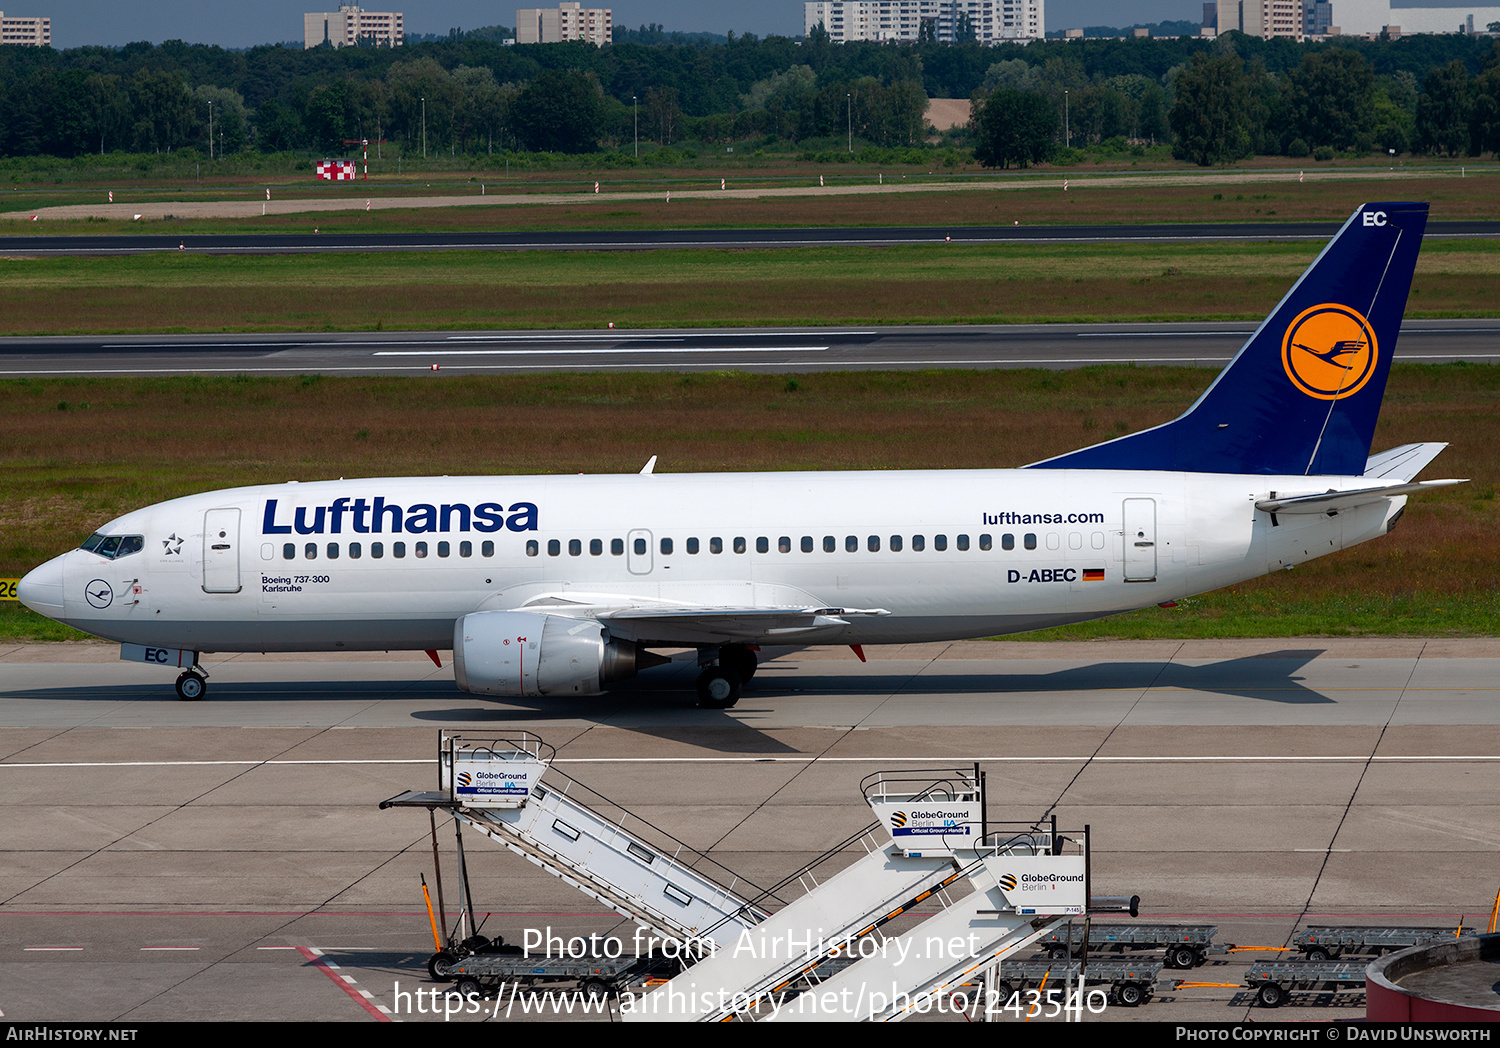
x=718 y=688
x=739 y=658
x=440 y=964
x=191 y=686
x=1271 y=995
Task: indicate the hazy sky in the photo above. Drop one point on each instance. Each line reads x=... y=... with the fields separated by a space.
x=113 y=22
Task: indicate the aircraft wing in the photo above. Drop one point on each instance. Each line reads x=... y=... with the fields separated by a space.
x=1402 y=463
x=708 y=625
x=1328 y=501
x=647 y=620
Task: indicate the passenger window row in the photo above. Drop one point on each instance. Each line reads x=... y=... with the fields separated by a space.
x=808 y=544
x=377 y=550
x=667 y=547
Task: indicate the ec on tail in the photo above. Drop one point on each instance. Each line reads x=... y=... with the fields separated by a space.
x=1303 y=394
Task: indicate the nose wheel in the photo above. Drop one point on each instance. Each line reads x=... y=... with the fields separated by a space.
x=191 y=685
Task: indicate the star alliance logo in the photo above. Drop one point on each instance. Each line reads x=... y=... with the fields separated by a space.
x=172 y=547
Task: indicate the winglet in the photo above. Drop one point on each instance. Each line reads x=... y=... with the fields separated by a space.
x=1303 y=394
x=649 y=466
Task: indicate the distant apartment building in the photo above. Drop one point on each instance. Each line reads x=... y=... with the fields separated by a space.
x=1353 y=18
x=1286 y=19
x=987 y=21
x=349 y=26
x=29 y=32
x=572 y=21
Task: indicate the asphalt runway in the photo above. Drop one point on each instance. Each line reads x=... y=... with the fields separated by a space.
x=666 y=239
x=227 y=859
x=743 y=349
x=661 y=239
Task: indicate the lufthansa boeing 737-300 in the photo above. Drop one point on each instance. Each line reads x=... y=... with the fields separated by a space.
x=557 y=585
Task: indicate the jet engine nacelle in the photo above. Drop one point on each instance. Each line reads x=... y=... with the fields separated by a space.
x=519 y=654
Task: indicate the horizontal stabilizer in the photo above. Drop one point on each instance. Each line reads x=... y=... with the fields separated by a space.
x=1328 y=501
x=1402 y=463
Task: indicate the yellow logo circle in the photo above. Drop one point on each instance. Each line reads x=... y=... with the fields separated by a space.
x=1329 y=351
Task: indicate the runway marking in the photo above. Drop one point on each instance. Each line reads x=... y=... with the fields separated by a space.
x=1162 y=334
x=617 y=335
x=54 y=949
x=363 y=998
x=169 y=949
x=626 y=334
x=583 y=352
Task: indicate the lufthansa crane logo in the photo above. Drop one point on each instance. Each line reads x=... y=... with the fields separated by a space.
x=1329 y=351
x=100 y=594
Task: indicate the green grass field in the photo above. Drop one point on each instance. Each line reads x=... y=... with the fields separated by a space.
x=78 y=452
x=1248 y=193
x=936 y=284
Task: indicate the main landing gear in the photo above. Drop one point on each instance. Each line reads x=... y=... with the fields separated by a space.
x=191 y=685
x=719 y=685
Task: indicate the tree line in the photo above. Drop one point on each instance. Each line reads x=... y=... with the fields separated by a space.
x=473 y=94
x=1219 y=107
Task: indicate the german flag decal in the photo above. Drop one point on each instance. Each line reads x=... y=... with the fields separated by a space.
x=1093 y=574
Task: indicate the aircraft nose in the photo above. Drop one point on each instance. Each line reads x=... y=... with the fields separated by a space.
x=42 y=589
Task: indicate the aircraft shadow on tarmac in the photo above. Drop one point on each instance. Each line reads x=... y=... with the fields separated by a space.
x=1267 y=677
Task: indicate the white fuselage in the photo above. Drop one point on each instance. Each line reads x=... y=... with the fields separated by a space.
x=981 y=553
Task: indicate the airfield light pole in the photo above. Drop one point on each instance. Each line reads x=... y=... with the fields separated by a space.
x=210 y=129
x=849 y=116
x=637 y=107
x=424 y=129
x=1067 y=127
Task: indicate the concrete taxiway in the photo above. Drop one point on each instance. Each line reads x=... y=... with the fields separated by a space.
x=227 y=858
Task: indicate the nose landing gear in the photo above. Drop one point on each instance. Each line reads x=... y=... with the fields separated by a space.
x=191 y=685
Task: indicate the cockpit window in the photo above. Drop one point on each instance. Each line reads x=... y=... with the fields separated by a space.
x=114 y=546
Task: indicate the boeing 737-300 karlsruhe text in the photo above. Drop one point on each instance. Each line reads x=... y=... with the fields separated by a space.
x=557 y=585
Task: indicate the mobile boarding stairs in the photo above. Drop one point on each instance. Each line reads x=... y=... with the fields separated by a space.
x=759 y=951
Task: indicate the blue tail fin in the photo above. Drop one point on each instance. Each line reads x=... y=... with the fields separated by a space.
x=1303 y=394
